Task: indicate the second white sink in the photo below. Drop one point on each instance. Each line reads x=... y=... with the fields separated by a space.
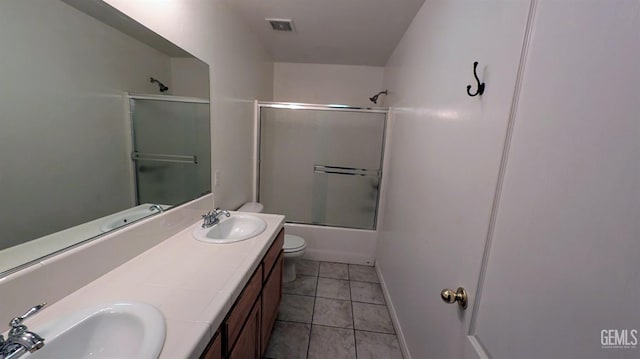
x=110 y=331
x=236 y=228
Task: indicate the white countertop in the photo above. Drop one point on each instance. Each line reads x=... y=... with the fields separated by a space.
x=193 y=283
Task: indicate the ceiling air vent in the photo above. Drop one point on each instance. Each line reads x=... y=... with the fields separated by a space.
x=281 y=24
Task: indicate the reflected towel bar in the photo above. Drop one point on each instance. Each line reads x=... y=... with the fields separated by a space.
x=349 y=171
x=159 y=157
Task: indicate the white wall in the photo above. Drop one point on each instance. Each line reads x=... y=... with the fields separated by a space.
x=189 y=77
x=63 y=137
x=326 y=84
x=240 y=71
x=444 y=158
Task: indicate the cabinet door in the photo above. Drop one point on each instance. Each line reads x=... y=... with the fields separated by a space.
x=242 y=309
x=248 y=344
x=271 y=294
x=215 y=349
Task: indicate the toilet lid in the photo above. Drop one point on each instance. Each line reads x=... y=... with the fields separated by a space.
x=293 y=243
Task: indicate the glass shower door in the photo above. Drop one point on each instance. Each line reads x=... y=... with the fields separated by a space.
x=321 y=166
x=171 y=150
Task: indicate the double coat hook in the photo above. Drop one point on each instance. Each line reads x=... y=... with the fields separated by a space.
x=480 y=90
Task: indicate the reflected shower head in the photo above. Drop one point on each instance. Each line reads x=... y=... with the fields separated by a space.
x=163 y=88
x=374 y=98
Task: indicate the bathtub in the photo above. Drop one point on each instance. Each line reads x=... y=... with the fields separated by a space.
x=333 y=244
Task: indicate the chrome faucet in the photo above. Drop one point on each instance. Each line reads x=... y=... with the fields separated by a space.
x=20 y=340
x=157 y=207
x=212 y=218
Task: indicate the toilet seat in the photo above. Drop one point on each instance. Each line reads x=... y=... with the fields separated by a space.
x=293 y=243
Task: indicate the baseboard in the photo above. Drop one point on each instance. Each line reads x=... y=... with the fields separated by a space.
x=394 y=316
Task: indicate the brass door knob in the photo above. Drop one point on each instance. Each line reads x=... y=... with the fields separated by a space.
x=460 y=296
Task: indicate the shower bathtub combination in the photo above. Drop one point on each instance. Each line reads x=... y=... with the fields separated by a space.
x=321 y=166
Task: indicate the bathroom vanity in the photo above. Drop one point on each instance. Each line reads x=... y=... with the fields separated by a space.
x=218 y=300
x=246 y=330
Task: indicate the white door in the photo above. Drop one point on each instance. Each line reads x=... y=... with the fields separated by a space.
x=563 y=273
x=445 y=153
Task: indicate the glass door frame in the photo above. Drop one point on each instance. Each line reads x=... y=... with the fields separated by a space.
x=321 y=107
x=130 y=98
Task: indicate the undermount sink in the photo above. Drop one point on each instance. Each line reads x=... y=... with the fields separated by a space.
x=109 y=331
x=236 y=228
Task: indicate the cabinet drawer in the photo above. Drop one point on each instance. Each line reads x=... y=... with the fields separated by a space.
x=242 y=308
x=273 y=253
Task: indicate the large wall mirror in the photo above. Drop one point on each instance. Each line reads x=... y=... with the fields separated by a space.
x=102 y=123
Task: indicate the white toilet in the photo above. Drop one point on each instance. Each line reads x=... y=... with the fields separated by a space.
x=293 y=245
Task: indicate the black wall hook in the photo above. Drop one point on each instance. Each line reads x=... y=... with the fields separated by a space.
x=480 y=90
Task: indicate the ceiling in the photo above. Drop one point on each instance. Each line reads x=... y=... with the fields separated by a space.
x=349 y=32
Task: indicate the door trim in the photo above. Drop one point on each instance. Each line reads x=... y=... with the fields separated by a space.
x=473 y=346
x=473 y=349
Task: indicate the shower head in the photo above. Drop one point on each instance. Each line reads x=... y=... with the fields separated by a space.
x=162 y=87
x=374 y=98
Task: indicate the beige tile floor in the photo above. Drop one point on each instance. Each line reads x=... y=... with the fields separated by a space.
x=333 y=311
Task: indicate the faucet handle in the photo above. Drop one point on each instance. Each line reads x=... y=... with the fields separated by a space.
x=220 y=211
x=17 y=321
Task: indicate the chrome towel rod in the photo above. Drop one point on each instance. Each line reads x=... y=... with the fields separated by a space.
x=349 y=171
x=160 y=157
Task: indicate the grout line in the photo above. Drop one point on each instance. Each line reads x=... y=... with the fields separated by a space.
x=361 y=302
x=330 y=326
x=371 y=331
x=342 y=300
x=379 y=305
x=319 y=325
x=313 y=312
x=353 y=330
x=353 y=317
x=364 y=281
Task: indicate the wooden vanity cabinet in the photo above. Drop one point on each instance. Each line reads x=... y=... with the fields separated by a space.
x=248 y=344
x=242 y=310
x=245 y=332
x=271 y=295
x=215 y=348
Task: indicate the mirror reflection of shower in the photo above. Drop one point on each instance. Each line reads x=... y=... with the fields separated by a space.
x=161 y=86
x=171 y=156
x=374 y=98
